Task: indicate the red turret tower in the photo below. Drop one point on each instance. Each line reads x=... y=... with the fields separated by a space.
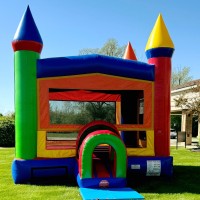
x=159 y=50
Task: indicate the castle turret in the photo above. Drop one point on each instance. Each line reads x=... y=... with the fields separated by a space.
x=27 y=45
x=159 y=50
x=129 y=53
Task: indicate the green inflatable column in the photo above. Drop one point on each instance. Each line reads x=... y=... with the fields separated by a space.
x=27 y=45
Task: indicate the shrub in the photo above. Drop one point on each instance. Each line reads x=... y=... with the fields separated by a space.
x=7 y=132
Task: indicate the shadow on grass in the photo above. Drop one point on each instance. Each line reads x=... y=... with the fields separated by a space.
x=185 y=179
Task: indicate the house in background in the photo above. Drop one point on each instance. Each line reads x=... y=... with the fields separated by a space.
x=188 y=91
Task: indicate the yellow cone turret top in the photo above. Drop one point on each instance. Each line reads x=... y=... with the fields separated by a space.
x=159 y=36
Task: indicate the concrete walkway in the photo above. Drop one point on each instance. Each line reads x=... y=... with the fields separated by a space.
x=194 y=144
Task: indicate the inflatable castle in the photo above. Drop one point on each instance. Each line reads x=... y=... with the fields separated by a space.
x=98 y=154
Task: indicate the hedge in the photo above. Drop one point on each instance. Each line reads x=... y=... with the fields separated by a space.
x=7 y=132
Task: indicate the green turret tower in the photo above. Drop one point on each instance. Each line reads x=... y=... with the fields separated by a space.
x=27 y=45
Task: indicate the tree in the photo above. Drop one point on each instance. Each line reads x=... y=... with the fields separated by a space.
x=110 y=48
x=181 y=76
x=7 y=131
x=101 y=111
x=68 y=112
x=190 y=103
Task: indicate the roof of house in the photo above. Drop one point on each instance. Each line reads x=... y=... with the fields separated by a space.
x=188 y=84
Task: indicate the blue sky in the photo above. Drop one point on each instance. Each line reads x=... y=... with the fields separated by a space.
x=66 y=26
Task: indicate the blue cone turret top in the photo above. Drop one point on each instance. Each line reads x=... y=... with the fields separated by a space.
x=27 y=36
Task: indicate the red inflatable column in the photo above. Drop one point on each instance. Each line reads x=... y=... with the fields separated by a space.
x=159 y=51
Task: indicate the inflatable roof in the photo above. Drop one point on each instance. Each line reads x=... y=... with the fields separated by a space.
x=74 y=65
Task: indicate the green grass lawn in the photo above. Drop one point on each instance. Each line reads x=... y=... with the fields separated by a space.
x=185 y=184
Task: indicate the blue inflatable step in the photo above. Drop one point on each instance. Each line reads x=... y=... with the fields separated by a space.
x=109 y=193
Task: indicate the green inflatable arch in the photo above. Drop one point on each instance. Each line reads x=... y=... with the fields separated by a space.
x=94 y=139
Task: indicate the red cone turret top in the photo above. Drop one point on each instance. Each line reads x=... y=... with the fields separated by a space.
x=129 y=53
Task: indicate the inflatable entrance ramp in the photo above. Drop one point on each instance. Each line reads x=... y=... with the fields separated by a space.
x=111 y=193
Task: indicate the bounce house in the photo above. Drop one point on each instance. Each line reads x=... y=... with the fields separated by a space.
x=98 y=152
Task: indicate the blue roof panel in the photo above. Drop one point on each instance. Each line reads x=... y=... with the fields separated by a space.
x=75 y=65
